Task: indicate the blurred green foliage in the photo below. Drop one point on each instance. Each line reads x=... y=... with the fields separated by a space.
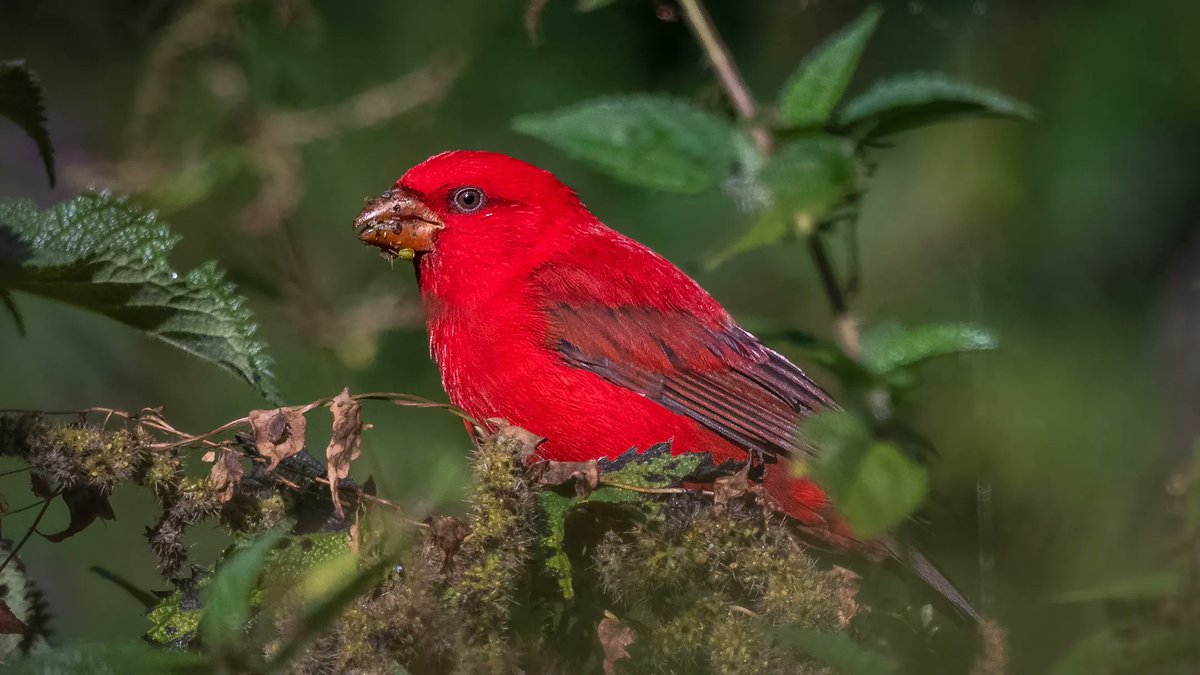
x=1072 y=239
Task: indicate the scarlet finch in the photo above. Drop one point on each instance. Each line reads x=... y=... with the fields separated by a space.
x=540 y=314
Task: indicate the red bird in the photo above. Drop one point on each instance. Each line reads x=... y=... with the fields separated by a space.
x=540 y=314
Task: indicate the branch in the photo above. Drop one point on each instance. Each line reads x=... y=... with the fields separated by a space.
x=702 y=27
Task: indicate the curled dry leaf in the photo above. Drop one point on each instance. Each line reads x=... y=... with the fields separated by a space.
x=226 y=473
x=209 y=457
x=85 y=504
x=585 y=474
x=278 y=434
x=615 y=638
x=730 y=488
x=344 y=444
x=527 y=440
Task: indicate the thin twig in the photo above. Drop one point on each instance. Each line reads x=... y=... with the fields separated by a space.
x=28 y=533
x=727 y=71
x=651 y=490
x=731 y=80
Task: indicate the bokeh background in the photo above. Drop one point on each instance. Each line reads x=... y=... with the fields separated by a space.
x=257 y=127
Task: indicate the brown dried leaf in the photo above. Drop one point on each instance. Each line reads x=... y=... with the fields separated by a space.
x=84 y=505
x=615 y=638
x=585 y=474
x=209 y=457
x=278 y=434
x=730 y=488
x=447 y=534
x=9 y=623
x=226 y=474
x=528 y=440
x=344 y=444
x=847 y=594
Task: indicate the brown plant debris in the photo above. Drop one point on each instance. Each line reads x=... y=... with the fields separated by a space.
x=345 y=443
x=278 y=434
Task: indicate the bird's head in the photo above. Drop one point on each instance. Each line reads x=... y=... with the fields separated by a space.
x=469 y=205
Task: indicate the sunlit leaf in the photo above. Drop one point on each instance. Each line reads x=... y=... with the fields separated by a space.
x=554 y=508
x=651 y=141
x=23 y=101
x=806 y=180
x=889 y=346
x=837 y=650
x=228 y=599
x=872 y=483
x=814 y=89
x=99 y=253
x=919 y=99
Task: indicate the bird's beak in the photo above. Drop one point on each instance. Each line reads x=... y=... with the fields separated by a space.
x=398 y=223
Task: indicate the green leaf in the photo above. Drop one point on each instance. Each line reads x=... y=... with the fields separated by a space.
x=920 y=99
x=838 y=650
x=889 y=346
x=651 y=141
x=872 y=483
x=815 y=88
x=99 y=253
x=806 y=180
x=111 y=659
x=554 y=508
x=23 y=101
x=229 y=595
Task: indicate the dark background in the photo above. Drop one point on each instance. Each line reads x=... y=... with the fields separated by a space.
x=1073 y=239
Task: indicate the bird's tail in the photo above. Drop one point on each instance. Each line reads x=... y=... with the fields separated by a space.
x=912 y=558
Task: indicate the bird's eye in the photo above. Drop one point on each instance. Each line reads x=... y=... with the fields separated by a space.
x=467 y=199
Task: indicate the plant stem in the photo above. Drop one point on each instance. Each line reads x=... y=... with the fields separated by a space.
x=28 y=533
x=727 y=71
x=702 y=27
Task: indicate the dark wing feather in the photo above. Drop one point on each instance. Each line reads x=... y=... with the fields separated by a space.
x=718 y=375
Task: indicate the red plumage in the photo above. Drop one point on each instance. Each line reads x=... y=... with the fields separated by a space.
x=540 y=314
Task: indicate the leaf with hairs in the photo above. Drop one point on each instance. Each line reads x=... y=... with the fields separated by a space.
x=920 y=99
x=815 y=88
x=101 y=254
x=652 y=141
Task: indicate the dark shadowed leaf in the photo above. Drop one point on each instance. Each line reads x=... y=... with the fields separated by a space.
x=112 y=659
x=23 y=101
x=814 y=89
x=228 y=597
x=919 y=99
x=805 y=182
x=837 y=650
x=889 y=346
x=99 y=253
x=85 y=504
x=872 y=483
x=652 y=141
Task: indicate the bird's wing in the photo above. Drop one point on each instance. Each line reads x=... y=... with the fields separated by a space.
x=666 y=339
